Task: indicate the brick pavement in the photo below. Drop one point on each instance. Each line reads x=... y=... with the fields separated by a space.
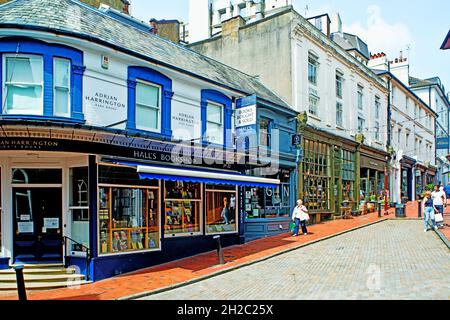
x=204 y=265
x=391 y=260
x=191 y=268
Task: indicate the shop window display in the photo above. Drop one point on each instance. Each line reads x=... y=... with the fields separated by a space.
x=221 y=209
x=129 y=215
x=348 y=175
x=182 y=206
x=316 y=175
x=129 y=219
x=269 y=202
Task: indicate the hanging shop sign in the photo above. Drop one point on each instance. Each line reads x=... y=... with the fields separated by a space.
x=442 y=143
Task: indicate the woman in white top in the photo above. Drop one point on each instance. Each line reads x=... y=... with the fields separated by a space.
x=300 y=217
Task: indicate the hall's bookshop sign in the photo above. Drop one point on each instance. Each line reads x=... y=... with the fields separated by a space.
x=155 y=151
x=245 y=122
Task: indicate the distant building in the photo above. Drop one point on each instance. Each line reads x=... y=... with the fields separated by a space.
x=206 y=16
x=411 y=132
x=433 y=92
x=345 y=141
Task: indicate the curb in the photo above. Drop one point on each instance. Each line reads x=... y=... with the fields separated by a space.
x=243 y=265
x=443 y=238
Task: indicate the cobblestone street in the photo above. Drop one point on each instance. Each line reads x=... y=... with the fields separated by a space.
x=389 y=260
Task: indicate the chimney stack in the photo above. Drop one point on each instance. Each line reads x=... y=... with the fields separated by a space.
x=168 y=29
x=378 y=61
x=336 y=23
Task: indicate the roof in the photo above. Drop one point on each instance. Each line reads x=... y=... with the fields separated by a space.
x=351 y=42
x=78 y=20
x=446 y=43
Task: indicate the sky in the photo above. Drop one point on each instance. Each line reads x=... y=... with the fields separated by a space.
x=417 y=28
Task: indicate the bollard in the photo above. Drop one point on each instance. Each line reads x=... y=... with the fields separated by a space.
x=420 y=209
x=20 y=283
x=379 y=209
x=219 y=250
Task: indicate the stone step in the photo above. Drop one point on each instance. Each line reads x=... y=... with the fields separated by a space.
x=59 y=270
x=29 y=278
x=38 y=266
x=8 y=287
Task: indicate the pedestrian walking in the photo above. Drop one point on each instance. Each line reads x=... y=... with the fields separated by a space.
x=429 y=210
x=439 y=200
x=300 y=217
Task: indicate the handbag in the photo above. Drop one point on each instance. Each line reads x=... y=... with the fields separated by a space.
x=291 y=226
x=438 y=217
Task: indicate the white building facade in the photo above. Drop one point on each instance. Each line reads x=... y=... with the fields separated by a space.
x=412 y=132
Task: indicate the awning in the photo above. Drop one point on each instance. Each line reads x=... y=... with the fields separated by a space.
x=206 y=176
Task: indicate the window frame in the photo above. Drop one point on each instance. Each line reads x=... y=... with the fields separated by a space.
x=160 y=89
x=69 y=91
x=5 y=84
x=339 y=84
x=201 y=214
x=159 y=213
x=313 y=65
x=339 y=113
x=216 y=97
x=236 y=193
x=8 y=46
x=221 y=124
x=361 y=121
x=360 y=97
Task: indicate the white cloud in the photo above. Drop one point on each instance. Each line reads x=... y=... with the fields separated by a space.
x=381 y=35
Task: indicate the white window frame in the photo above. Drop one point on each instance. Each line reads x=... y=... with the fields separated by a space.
x=69 y=111
x=360 y=97
x=315 y=65
x=377 y=107
x=377 y=130
x=221 y=123
x=149 y=129
x=361 y=130
x=339 y=111
x=339 y=80
x=6 y=82
x=313 y=97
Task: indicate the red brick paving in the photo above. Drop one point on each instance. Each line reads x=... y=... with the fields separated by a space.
x=205 y=264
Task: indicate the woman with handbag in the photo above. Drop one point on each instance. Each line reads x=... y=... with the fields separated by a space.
x=428 y=209
x=300 y=216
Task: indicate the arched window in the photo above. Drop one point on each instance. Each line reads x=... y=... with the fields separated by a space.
x=40 y=80
x=216 y=118
x=149 y=101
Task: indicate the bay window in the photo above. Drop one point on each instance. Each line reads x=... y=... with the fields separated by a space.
x=61 y=87
x=23 y=85
x=147 y=106
x=214 y=123
x=40 y=80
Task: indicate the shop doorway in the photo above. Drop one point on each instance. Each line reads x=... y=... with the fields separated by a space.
x=37 y=217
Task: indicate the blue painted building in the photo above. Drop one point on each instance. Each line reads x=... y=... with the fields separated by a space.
x=122 y=145
x=268 y=209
